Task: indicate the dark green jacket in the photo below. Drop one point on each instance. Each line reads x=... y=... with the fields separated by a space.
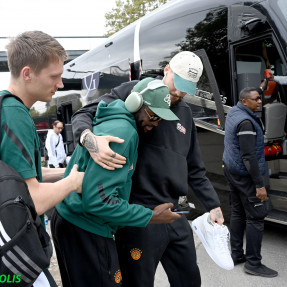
x=103 y=206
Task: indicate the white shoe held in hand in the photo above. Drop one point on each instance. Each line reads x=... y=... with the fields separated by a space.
x=215 y=239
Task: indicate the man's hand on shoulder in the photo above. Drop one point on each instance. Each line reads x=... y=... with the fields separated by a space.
x=100 y=151
x=216 y=215
x=163 y=214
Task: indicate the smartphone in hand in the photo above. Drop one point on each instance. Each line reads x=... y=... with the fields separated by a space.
x=179 y=211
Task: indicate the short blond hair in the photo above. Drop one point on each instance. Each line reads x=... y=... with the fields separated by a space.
x=35 y=49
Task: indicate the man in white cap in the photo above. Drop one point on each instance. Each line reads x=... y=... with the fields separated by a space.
x=168 y=161
x=83 y=227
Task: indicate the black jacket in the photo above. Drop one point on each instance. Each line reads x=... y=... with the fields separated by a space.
x=168 y=156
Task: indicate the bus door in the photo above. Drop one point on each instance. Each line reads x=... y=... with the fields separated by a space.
x=209 y=108
x=254 y=52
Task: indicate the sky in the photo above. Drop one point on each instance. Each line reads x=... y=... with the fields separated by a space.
x=56 y=18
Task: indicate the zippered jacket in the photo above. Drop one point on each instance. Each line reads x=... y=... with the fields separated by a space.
x=103 y=206
x=169 y=156
x=232 y=155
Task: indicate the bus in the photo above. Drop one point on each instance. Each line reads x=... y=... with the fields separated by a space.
x=236 y=41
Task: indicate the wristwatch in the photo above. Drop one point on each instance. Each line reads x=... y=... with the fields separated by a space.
x=83 y=138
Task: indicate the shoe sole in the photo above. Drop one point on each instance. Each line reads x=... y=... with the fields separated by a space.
x=196 y=229
x=258 y=274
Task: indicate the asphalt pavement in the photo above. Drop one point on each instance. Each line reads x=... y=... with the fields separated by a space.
x=274 y=255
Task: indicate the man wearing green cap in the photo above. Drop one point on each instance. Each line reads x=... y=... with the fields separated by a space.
x=83 y=226
x=169 y=161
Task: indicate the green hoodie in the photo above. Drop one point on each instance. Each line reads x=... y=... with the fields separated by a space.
x=103 y=206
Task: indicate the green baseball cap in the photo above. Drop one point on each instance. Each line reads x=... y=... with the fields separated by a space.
x=156 y=96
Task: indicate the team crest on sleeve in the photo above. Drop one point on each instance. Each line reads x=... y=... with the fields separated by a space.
x=118 y=276
x=181 y=128
x=136 y=253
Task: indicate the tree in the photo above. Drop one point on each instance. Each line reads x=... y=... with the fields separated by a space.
x=128 y=11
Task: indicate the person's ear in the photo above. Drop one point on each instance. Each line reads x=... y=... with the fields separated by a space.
x=26 y=73
x=244 y=102
x=166 y=69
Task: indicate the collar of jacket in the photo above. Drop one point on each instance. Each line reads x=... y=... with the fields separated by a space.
x=247 y=110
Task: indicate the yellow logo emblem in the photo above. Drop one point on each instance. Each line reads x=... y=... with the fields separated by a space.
x=118 y=276
x=136 y=254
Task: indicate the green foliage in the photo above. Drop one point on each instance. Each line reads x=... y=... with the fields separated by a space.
x=34 y=112
x=128 y=11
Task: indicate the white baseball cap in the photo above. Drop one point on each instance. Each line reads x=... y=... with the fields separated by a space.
x=187 y=68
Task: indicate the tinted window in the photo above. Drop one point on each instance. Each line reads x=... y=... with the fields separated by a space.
x=162 y=38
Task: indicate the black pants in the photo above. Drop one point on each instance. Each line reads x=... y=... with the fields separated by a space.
x=248 y=212
x=141 y=249
x=85 y=259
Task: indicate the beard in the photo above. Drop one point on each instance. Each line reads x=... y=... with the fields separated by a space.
x=174 y=103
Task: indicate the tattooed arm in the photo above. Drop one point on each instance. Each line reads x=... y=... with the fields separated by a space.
x=98 y=147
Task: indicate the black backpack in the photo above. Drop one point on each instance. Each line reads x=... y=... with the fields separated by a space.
x=25 y=246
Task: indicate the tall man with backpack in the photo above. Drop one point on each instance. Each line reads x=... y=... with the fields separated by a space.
x=35 y=62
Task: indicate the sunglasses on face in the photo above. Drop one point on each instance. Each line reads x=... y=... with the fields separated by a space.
x=153 y=118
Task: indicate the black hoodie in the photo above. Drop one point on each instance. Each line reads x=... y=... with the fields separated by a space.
x=168 y=156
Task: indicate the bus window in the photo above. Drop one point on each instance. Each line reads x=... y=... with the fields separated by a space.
x=207 y=104
x=206 y=29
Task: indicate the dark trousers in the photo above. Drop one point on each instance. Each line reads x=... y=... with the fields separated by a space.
x=248 y=213
x=141 y=249
x=85 y=259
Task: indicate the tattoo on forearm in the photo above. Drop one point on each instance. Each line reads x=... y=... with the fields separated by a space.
x=90 y=144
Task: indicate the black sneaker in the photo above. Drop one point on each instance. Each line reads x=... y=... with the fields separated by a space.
x=260 y=270
x=238 y=260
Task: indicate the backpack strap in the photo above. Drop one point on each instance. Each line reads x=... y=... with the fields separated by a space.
x=2 y=97
x=58 y=141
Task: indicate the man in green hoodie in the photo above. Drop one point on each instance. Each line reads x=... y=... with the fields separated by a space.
x=83 y=225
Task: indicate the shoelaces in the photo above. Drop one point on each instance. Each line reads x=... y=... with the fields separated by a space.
x=223 y=235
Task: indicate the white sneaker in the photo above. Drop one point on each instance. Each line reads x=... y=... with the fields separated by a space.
x=214 y=238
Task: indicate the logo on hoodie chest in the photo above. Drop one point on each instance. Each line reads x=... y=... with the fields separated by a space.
x=181 y=128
